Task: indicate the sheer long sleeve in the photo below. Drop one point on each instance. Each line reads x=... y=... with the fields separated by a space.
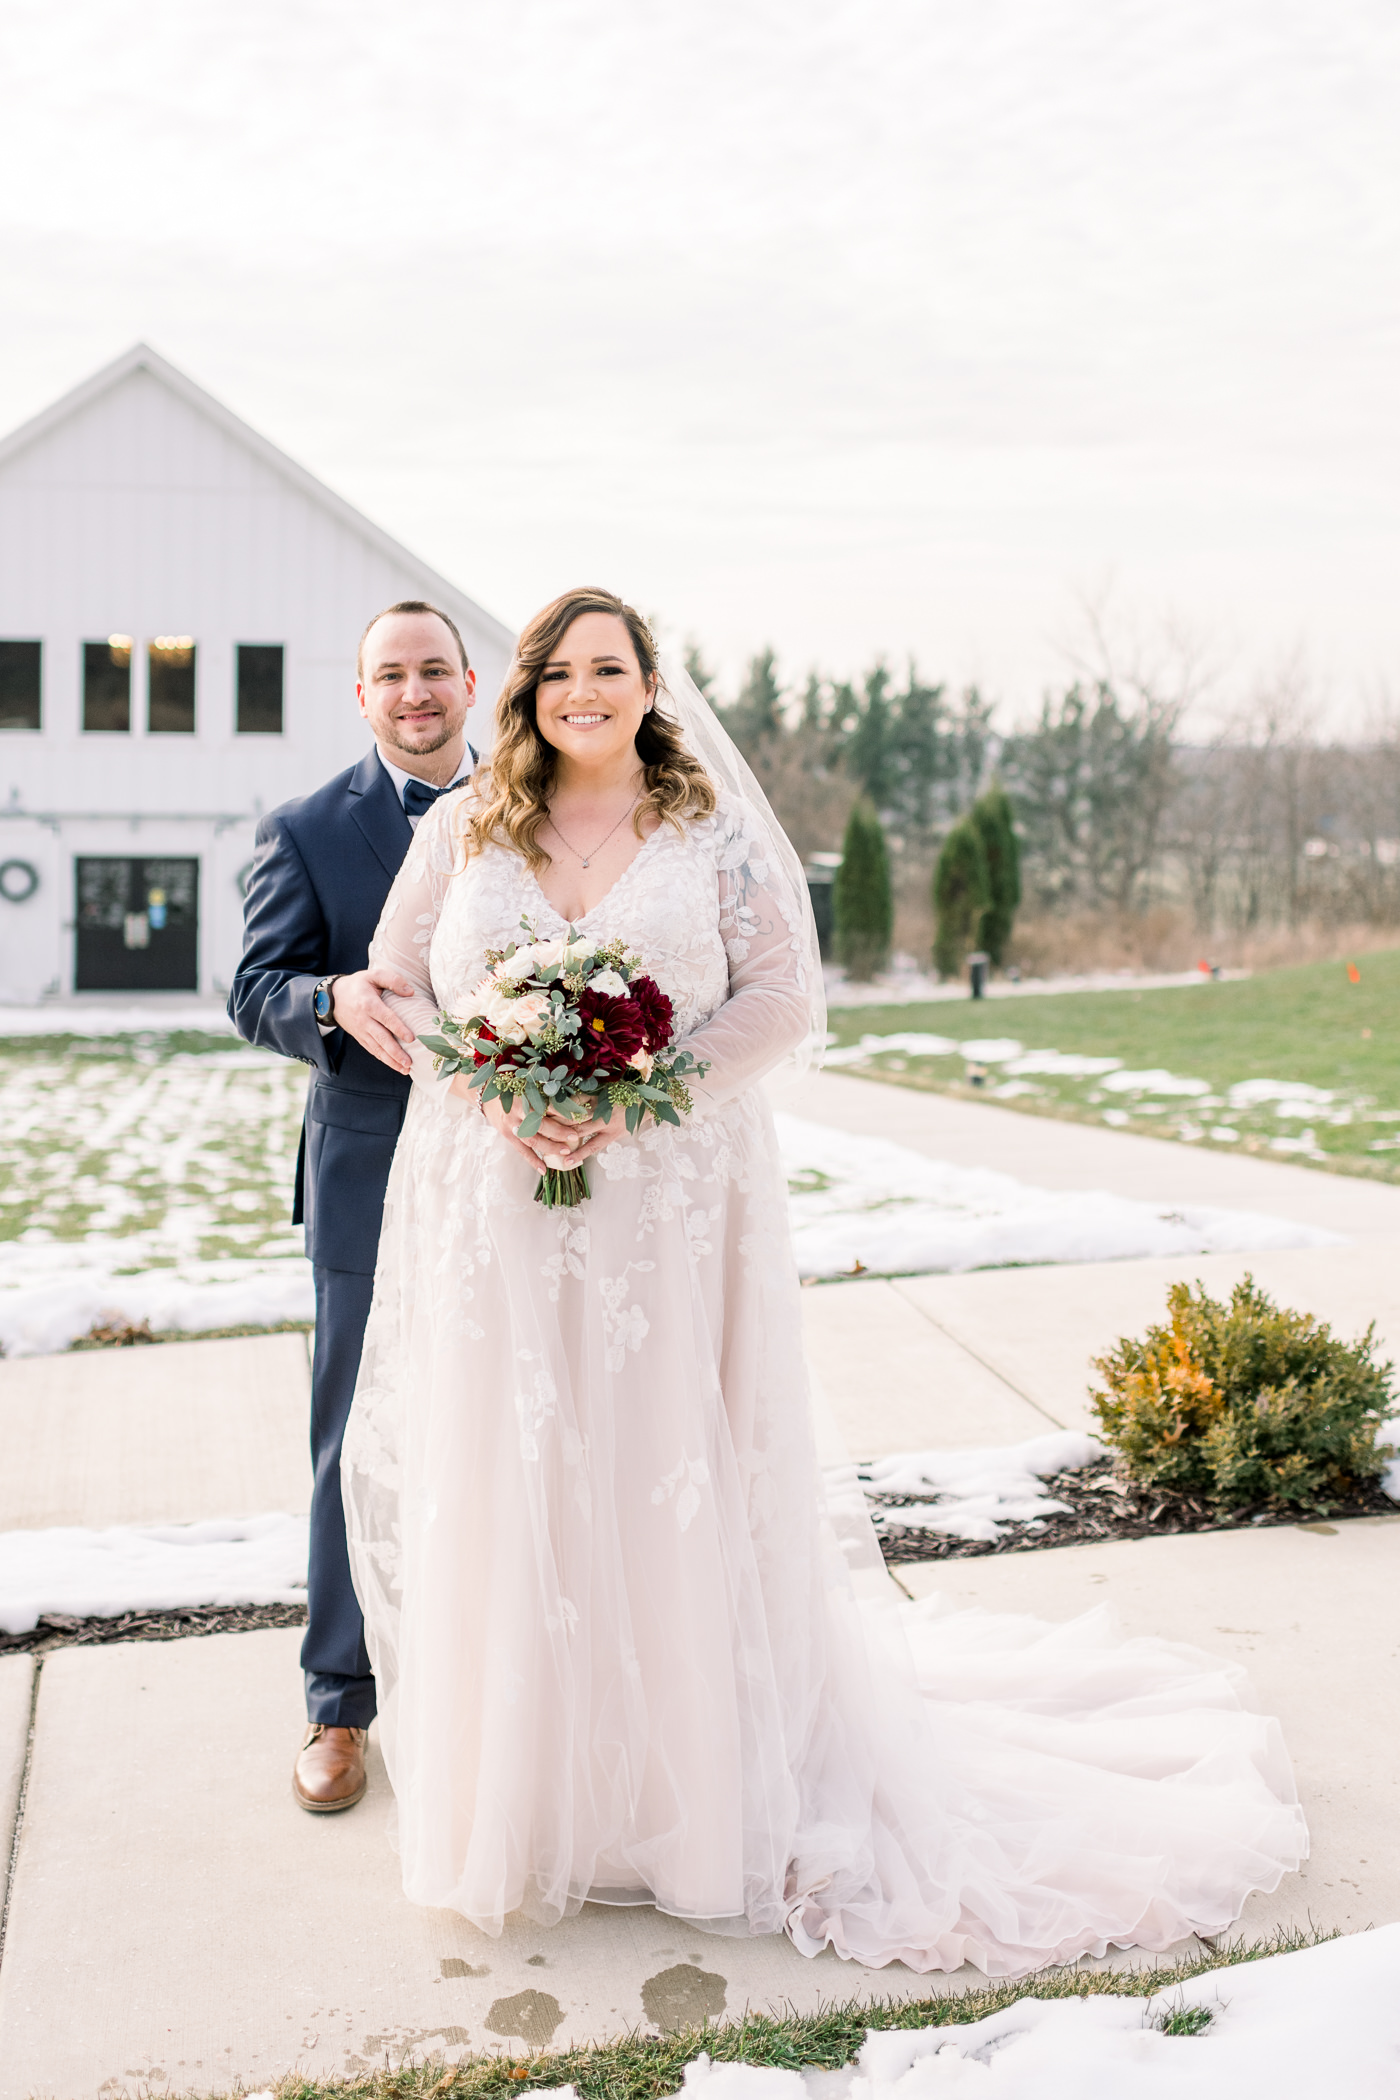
x=768 y=1012
x=406 y=926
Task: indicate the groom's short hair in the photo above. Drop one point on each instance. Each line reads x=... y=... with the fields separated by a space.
x=410 y=605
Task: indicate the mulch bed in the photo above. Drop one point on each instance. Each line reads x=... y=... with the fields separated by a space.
x=1102 y=1505
x=56 y=1631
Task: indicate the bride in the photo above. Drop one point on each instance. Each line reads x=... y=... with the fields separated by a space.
x=629 y=1646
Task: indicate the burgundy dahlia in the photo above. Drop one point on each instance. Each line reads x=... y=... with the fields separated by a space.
x=611 y=1030
x=655 y=1009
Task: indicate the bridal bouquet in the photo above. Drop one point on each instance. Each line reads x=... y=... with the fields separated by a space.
x=573 y=1028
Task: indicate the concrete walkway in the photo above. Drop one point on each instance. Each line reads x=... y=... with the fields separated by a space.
x=152 y=1435
x=176 y=1922
x=1055 y=1155
x=998 y=1354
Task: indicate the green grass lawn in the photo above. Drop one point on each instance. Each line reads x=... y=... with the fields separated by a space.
x=1311 y=1027
x=180 y=1145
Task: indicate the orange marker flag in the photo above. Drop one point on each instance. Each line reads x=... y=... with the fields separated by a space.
x=1353 y=973
x=1204 y=968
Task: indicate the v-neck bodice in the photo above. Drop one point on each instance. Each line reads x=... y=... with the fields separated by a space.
x=585 y=918
x=664 y=905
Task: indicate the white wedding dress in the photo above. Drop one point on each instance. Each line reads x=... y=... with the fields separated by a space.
x=627 y=1648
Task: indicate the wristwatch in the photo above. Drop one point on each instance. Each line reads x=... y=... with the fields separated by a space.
x=323 y=999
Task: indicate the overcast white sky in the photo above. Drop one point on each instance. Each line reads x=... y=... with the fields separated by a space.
x=885 y=326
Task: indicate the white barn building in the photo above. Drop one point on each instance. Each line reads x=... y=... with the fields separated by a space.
x=179 y=609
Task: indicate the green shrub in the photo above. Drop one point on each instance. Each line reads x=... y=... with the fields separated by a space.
x=862 y=896
x=991 y=813
x=1245 y=1405
x=962 y=892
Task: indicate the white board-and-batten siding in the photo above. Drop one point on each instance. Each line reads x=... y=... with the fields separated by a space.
x=139 y=506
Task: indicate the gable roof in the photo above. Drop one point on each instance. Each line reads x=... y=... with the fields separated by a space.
x=141 y=358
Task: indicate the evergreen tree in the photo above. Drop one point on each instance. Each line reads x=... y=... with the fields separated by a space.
x=700 y=672
x=756 y=718
x=869 y=749
x=863 y=898
x=991 y=814
x=917 y=758
x=961 y=895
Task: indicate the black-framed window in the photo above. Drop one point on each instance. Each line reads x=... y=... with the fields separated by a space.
x=259 y=704
x=21 y=684
x=107 y=684
x=170 y=702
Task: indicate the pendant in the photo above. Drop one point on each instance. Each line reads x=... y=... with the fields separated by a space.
x=585 y=864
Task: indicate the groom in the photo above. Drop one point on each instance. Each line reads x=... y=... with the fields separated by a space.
x=321 y=872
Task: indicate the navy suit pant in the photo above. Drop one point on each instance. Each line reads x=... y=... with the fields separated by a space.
x=339 y=1685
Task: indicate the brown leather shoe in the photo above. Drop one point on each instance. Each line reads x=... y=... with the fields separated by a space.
x=330 y=1772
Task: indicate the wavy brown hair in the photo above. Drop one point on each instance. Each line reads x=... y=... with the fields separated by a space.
x=520 y=773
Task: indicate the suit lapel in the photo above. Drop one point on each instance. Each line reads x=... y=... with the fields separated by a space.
x=377 y=810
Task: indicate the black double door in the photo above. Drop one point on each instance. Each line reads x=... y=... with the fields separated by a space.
x=138 y=925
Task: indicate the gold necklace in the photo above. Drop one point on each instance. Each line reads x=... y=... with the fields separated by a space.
x=587 y=857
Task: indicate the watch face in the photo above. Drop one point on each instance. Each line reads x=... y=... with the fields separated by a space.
x=322 y=1002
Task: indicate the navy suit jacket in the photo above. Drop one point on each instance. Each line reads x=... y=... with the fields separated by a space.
x=322 y=869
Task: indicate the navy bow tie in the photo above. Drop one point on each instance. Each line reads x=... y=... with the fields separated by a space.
x=418 y=797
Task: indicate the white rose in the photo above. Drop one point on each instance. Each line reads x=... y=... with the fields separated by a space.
x=609 y=983
x=546 y=954
x=576 y=952
x=498 y=1011
x=529 y=1014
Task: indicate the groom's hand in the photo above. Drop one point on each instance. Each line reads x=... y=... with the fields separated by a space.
x=359 y=1010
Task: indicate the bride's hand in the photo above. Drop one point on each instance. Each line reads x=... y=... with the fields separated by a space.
x=596 y=1137
x=558 y=1142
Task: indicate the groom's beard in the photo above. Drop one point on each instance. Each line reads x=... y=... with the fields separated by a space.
x=434 y=739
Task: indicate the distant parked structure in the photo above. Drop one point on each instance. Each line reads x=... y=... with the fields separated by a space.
x=179 y=608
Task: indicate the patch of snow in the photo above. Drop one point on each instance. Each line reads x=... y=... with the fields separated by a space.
x=884 y=1207
x=990 y=1049
x=1065 y=1064
x=53 y=1291
x=894 y=1212
x=162 y=1017
x=909 y=987
x=1224 y=1133
x=1252 y=1093
x=152 y=1567
x=1306 y=1141
x=1389 y=1433
x=915 y=1044
x=1324 y=2020
x=979 y=1492
x=1154 y=1082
